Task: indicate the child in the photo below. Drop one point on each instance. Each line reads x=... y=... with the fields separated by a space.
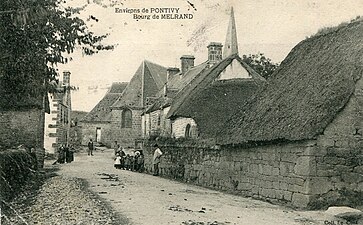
x=127 y=162
x=140 y=163
x=117 y=163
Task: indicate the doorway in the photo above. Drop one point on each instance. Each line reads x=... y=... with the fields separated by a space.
x=98 y=134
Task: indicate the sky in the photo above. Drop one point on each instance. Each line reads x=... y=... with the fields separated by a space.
x=272 y=27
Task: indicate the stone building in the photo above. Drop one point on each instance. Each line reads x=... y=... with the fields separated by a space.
x=298 y=139
x=96 y=125
x=117 y=117
x=206 y=93
x=58 y=121
x=22 y=114
x=138 y=94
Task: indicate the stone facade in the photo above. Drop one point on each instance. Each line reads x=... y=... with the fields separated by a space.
x=307 y=174
x=156 y=123
x=89 y=131
x=126 y=136
x=23 y=128
x=179 y=127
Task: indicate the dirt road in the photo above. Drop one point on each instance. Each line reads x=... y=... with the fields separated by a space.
x=145 y=199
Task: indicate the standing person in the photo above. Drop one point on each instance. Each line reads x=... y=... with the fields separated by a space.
x=116 y=147
x=123 y=158
x=136 y=164
x=66 y=151
x=90 y=147
x=117 y=163
x=61 y=153
x=71 y=153
x=140 y=163
x=156 y=159
x=127 y=162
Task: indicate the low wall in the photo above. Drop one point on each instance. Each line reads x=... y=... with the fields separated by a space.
x=286 y=173
x=23 y=127
x=16 y=167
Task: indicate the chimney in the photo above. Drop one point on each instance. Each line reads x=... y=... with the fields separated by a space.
x=187 y=61
x=214 y=52
x=171 y=71
x=66 y=78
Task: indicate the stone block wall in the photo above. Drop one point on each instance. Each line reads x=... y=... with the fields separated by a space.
x=179 y=125
x=126 y=136
x=89 y=132
x=278 y=173
x=340 y=168
x=152 y=127
x=23 y=127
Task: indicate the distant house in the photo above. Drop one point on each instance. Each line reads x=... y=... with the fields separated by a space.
x=97 y=123
x=126 y=110
x=206 y=94
x=58 y=121
x=75 y=133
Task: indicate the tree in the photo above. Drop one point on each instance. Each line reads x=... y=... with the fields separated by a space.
x=36 y=35
x=261 y=64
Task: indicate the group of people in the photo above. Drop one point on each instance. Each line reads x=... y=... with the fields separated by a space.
x=133 y=161
x=65 y=154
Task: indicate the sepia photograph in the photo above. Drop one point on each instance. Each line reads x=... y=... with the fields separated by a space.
x=181 y=112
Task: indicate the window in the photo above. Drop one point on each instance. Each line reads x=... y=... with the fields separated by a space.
x=159 y=119
x=187 y=131
x=126 y=118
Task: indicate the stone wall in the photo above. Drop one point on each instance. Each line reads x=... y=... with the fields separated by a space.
x=179 y=125
x=24 y=127
x=300 y=174
x=340 y=168
x=126 y=136
x=152 y=126
x=275 y=173
x=89 y=132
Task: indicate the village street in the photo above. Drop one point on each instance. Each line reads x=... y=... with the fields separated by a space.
x=145 y=199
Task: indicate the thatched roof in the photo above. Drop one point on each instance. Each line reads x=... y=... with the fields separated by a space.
x=212 y=106
x=102 y=111
x=149 y=79
x=183 y=102
x=304 y=95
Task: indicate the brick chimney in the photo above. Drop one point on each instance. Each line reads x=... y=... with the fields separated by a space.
x=171 y=71
x=187 y=61
x=214 y=52
x=66 y=78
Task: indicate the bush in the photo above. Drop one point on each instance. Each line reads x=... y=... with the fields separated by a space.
x=16 y=167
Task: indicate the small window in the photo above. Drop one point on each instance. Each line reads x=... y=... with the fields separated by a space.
x=126 y=118
x=159 y=119
x=187 y=131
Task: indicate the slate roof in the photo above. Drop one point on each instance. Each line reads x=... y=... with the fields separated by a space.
x=311 y=86
x=102 y=111
x=153 y=76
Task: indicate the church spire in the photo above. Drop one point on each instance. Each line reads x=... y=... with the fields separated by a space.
x=231 y=45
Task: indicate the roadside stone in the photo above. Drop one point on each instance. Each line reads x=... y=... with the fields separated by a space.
x=347 y=213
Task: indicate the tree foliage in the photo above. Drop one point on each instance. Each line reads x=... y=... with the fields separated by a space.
x=36 y=35
x=261 y=64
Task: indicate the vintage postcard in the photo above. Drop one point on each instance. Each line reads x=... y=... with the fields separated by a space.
x=185 y=112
